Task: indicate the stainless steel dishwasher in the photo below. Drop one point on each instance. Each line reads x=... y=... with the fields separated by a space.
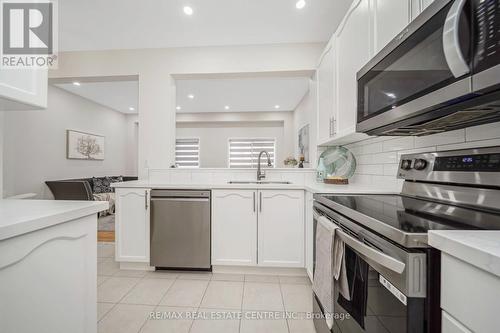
x=180 y=229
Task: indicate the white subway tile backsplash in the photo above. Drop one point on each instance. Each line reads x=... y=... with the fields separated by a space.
x=471 y=144
x=385 y=158
x=406 y=142
x=457 y=136
x=483 y=132
x=415 y=151
x=370 y=169
x=365 y=159
x=391 y=169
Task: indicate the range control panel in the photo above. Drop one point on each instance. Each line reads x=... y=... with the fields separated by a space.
x=483 y=162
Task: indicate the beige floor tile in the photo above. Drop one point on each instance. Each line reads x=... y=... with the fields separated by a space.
x=195 y=276
x=113 y=289
x=101 y=279
x=102 y=309
x=185 y=293
x=161 y=275
x=261 y=278
x=108 y=267
x=130 y=273
x=217 y=321
x=251 y=325
x=169 y=320
x=228 y=277
x=295 y=280
x=148 y=292
x=297 y=297
x=262 y=296
x=105 y=250
x=223 y=295
x=301 y=326
x=125 y=318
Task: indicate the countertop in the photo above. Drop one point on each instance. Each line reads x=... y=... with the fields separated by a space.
x=480 y=248
x=18 y=217
x=314 y=188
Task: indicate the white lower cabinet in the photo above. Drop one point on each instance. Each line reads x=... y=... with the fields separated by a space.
x=309 y=234
x=281 y=228
x=234 y=227
x=258 y=228
x=132 y=225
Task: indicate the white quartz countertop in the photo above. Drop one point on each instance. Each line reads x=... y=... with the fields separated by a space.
x=314 y=188
x=480 y=248
x=19 y=217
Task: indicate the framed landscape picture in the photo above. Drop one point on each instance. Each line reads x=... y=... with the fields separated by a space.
x=84 y=146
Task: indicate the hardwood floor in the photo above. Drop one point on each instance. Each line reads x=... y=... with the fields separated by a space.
x=105 y=236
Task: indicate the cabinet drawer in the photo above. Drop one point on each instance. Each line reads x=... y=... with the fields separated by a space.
x=470 y=295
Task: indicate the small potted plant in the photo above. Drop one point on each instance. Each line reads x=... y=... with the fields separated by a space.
x=290 y=162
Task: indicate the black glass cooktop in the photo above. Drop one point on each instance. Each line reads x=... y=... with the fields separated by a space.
x=411 y=215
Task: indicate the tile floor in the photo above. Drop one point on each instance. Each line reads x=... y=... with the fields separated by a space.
x=137 y=301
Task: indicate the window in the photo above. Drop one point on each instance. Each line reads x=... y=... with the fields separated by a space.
x=244 y=153
x=187 y=153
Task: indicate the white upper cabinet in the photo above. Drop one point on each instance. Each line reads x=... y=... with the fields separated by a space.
x=234 y=227
x=390 y=18
x=132 y=225
x=354 y=45
x=281 y=228
x=326 y=94
x=23 y=89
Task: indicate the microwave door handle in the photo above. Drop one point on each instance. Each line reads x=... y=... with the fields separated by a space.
x=370 y=253
x=451 y=40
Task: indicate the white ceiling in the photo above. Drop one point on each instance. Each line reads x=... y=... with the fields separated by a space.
x=241 y=94
x=130 y=24
x=116 y=95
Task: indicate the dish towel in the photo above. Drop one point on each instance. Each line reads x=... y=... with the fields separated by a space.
x=339 y=268
x=323 y=273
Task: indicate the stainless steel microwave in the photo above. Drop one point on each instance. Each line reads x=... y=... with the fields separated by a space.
x=441 y=73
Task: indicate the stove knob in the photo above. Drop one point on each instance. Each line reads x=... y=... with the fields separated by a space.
x=420 y=164
x=406 y=164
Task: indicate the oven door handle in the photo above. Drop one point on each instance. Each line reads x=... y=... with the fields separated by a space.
x=451 y=40
x=370 y=253
x=380 y=258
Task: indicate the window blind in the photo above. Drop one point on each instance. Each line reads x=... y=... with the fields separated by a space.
x=187 y=153
x=244 y=153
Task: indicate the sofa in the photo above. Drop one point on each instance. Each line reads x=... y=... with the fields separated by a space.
x=77 y=189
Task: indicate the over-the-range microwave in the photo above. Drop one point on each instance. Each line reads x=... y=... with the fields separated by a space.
x=441 y=73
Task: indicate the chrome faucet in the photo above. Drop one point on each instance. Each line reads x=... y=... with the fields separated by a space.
x=261 y=174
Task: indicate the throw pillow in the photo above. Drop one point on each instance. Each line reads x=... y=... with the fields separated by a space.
x=101 y=185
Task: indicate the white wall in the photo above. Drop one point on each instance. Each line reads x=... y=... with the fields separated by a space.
x=214 y=139
x=1 y=152
x=155 y=68
x=306 y=114
x=35 y=143
x=378 y=158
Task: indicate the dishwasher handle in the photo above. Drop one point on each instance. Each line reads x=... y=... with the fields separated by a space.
x=181 y=199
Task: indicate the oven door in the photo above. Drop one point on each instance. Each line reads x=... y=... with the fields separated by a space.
x=386 y=286
x=428 y=66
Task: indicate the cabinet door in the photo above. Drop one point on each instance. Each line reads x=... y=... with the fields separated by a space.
x=234 y=227
x=23 y=89
x=309 y=234
x=132 y=225
x=353 y=45
x=390 y=18
x=326 y=94
x=281 y=228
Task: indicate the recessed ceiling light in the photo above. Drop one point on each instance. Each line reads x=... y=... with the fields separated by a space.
x=300 y=4
x=226 y=107
x=276 y=106
x=76 y=83
x=188 y=10
x=178 y=107
x=131 y=108
x=191 y=96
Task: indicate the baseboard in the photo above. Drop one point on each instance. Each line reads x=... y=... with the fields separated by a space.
x=259 y=270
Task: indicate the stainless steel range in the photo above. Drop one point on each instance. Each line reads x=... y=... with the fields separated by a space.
x=392 y=272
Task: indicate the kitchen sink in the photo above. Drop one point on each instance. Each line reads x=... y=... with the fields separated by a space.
x=258 y=182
